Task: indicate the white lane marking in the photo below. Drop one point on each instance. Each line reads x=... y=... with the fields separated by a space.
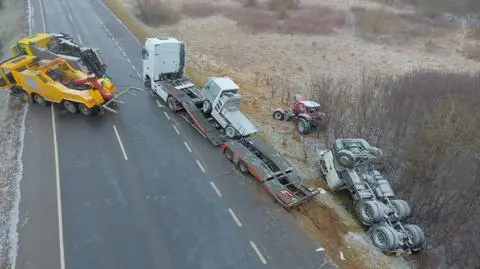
x=128 y=60
x=59 y=194
x=138 y=74
x=134 y=68
x=166 y=115
x=70 y=16
x=176 y=129
x=187 y=146
x=124 y=55
x=259 y=254
x=319 y=249
x=216 y=189
x=79 y=38
x=43 y=16
x=200 y=165
x=235 y=217
x=120 y=142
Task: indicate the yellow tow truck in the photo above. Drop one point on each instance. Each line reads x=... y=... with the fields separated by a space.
x=45 y=81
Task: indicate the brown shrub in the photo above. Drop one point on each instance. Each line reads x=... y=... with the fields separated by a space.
x=472 y=52
x=156 y=12
x=427 y=124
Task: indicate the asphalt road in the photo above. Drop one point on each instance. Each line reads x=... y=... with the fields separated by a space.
x=138 y=189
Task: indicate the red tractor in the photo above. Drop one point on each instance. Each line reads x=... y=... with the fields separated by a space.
x=306 y=114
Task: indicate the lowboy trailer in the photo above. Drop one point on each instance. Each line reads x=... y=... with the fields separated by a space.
x=214 y=111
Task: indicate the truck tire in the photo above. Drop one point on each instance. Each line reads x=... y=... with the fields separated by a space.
x=230 y=131
x=25 y=97
x=416 y=235
x=37 y=98
x=304 y=126
x=345 y=158
x=369 y=212
x=70 y=106
x=278 y=114
x=228 y=154
x=385 y=188
x=242 y=166
x=207 y=107
x=172 y=105
x=403 y=209
x=85 y=110
x=147 y=83
x=378 y=153
x=384 y=238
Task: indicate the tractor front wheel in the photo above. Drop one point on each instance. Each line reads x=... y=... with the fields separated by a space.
x=39 y=100
x=278 y=115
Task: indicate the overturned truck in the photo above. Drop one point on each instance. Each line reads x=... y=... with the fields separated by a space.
x=352 y=165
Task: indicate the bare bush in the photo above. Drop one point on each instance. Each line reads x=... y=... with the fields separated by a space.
x=428 y=125
x=250 y=3
x=157 y=12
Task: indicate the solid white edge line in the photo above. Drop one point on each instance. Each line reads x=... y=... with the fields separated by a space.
x=43 y=16
x=235 y=217
x=70 y=16
x=59 y=194
x=79 y=38
x=120 y=143
x=200 y=165
x=259 y=254
x=176 y=129
x=216 y=189
x=187 y=146
x=166 y=115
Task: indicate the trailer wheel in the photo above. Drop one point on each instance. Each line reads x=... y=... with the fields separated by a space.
x=70 y=106
x=369 y=212
x=171 y=104
x=147 y=83
x=37 y=98
x=403 y=209
x=304 y=126
x=243 y=167
x=416 y=234
x=384 y=238
x=230 y=131
x=228 y=154
x=85 y=110
x=278 y=115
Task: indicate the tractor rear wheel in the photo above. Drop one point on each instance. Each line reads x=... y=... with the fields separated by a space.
x=85 y=110
x=37 y=98
x=304 y=126
x=70 y=106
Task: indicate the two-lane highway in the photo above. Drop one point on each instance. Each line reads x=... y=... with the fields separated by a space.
x=139 y=189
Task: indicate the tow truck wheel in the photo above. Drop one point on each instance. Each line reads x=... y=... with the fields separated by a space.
x=25 y=97
x=39 y=100
x=70 y=107
x=230 y=131
x=228 y=154
x=85 y=110
x=243 y=167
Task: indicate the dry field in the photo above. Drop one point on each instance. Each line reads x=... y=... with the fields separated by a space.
x=274 y=53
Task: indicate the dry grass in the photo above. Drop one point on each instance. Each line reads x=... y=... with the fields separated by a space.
x=472 y=51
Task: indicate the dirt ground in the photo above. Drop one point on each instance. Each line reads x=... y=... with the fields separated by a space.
x=273 y=55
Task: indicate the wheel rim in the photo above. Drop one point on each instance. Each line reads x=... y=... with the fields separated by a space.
x=243 y=167
x=84 y=109
x=39 y=100
x=368 y=212
x=230 y=132
x=380 y=238
x=228 y=154
x=277 y=115
x=206 y=107
x=70 y=107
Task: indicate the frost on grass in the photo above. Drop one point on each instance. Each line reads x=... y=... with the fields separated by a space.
x=12 y=123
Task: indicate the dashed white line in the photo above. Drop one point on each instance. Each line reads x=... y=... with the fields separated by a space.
x=129 y=61
x=134 y=68
x=120 y=143
x=235 y=217
x=59 y=194
x=259 y=254
x=79 y=38
x=166 y=115
x=138 y=74
x=187 y=146
x=216 y=189
x=200 y=165
x=124 y=55
x=70 y=16
x=176 y=129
